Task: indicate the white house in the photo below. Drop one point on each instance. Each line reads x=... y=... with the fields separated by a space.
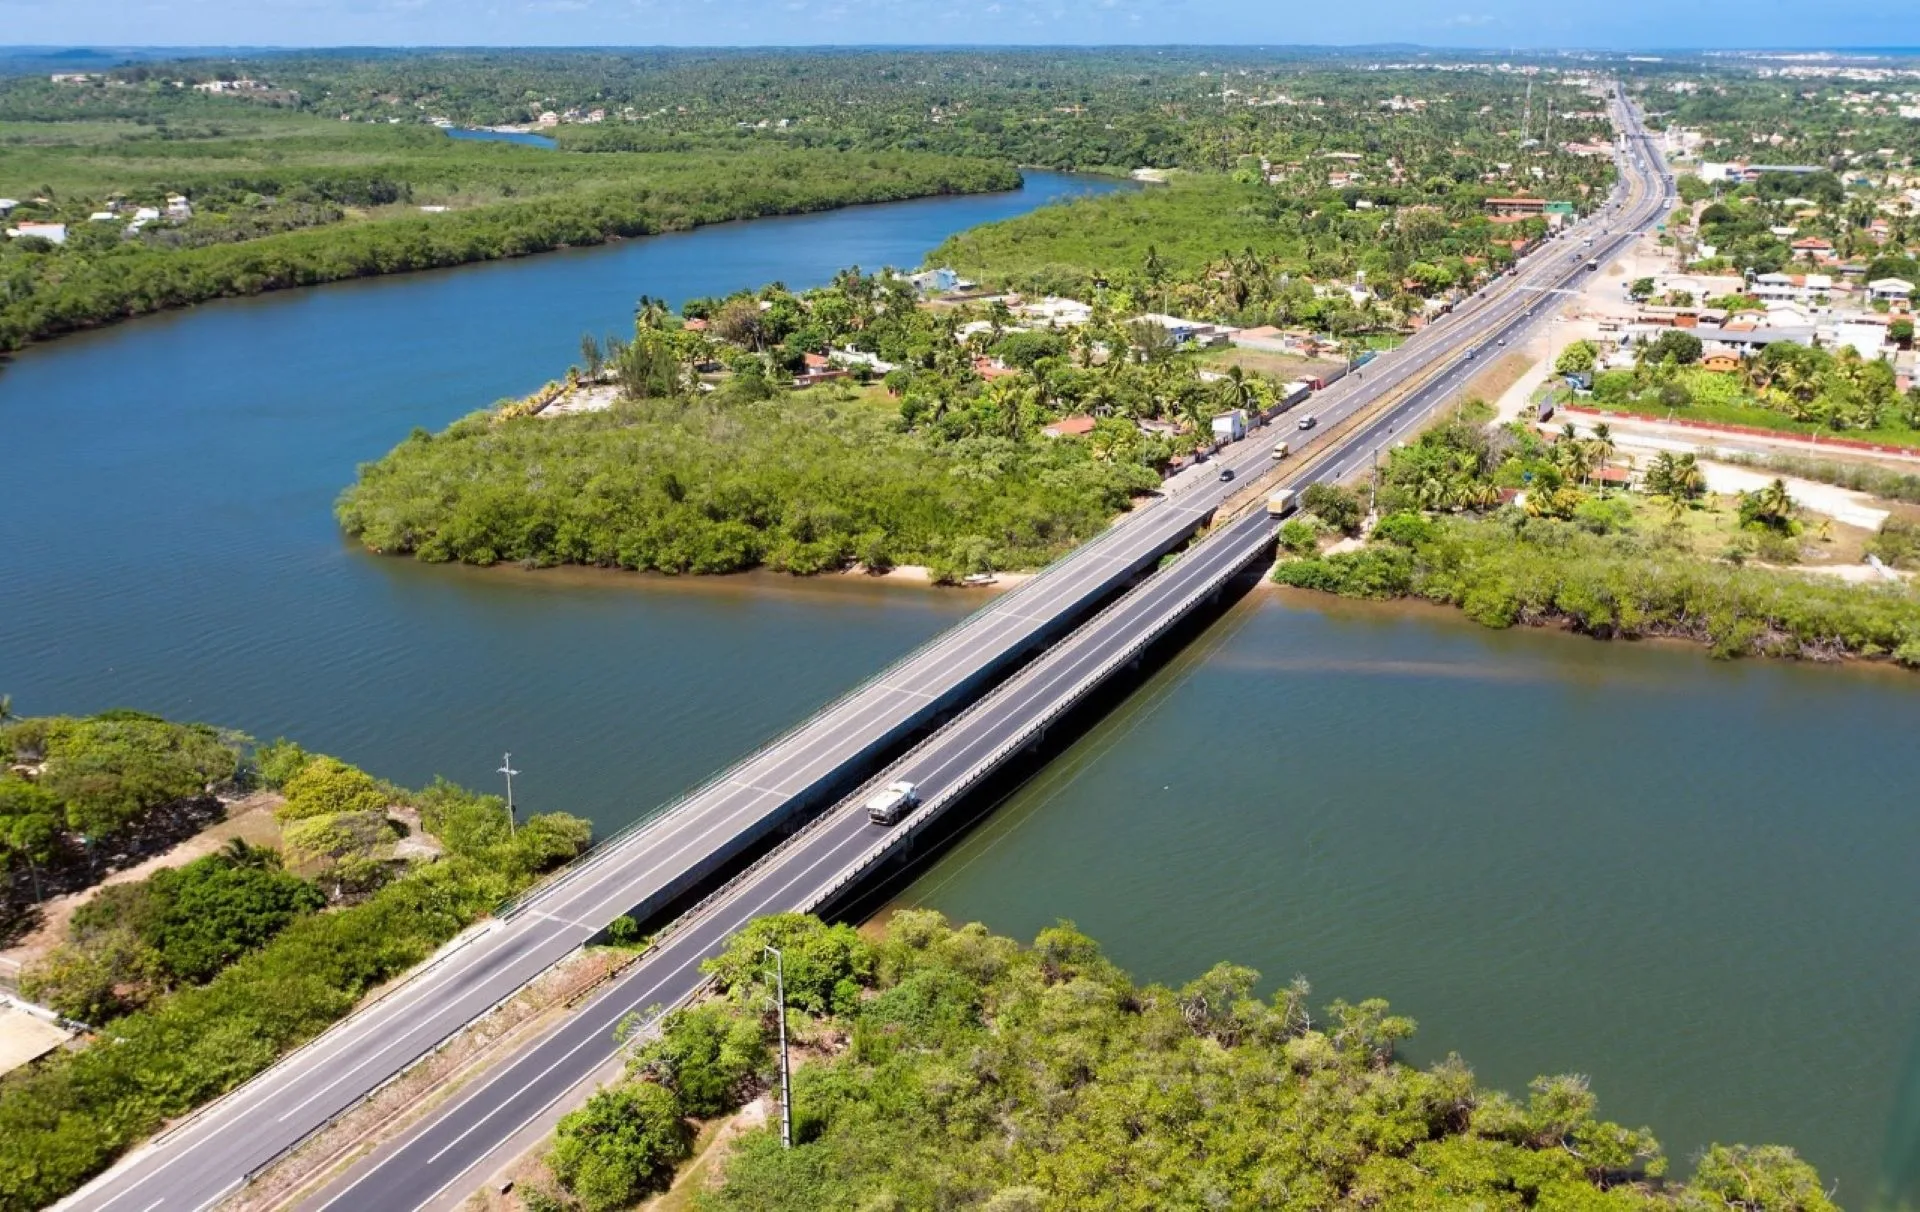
x=1867 y=335
x=53 y=233
x=1890 y=290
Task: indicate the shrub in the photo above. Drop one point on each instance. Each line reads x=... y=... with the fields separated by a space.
x=326 y=786
x=710 y=1056
x=622 y=1145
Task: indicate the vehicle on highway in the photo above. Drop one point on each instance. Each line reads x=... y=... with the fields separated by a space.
x=1501 y=341
x=1226 y=473
x=1280 y=504
x=1471 y=353
x=1309 y=421
x=1279 y=451
x=892 y=802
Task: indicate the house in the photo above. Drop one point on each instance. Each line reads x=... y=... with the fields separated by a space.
x=935 y=281
x=1812 y=248
x=1865 y=335
x=53 y=233
x=1230 y=426
x=1057 y=312
x=1721 y=361
x=816 y=361
x=1890 y=290
x=7 y=205
x=1077 y=426
x=102 y=216
x=1751 y=340
x=1520 y=207
x=695 y=325
x=178 y=207
x=991 y=368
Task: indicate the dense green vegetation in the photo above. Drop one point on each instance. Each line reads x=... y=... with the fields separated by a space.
x=1810 y=387
x=281 y=192
x=1574 y=558
x=503 y=202
x=799 y=482
x=946 y=467
x=949 y=1068
x=211 y=971
x=74 y=790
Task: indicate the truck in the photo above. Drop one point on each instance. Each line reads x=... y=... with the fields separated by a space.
x=892 y=802
x=1279 y=451
x=1280 y=504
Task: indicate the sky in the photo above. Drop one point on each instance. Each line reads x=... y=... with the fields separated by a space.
x=1497 y=24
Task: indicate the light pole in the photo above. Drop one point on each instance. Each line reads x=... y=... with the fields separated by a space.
x=786 y=1084
x=506 y=768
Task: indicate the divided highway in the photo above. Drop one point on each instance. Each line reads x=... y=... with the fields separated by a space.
x=648 y=867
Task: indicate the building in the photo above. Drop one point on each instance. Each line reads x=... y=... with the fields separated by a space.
x=53 y=233
x=1890 y=290
x=1515 y=208
x=1230 y=426
x=1866 y=335
x=1077 y=426
x=1812 y=248
x=935 y=281
x=1747 y=341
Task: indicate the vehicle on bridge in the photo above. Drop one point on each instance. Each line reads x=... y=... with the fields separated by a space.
x=892 y=802
x=1280 y=504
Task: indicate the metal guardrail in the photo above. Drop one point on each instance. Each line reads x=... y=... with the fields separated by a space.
x=601 y=848
x=1061 y=704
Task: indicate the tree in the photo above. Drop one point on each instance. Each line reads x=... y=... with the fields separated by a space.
x=622 y=1145
x=1338 y=507
x=1577 y=358
x=327 y=786
x=1641 y=290
x=1769 y=507
x=1674 y=345
x=710 y=1056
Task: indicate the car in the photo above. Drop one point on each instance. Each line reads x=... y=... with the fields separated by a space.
x=1308 y=421
x=1226 y=474
x=1471 y=353
x=1501 y=341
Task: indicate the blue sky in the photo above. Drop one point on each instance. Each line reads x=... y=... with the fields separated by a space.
x=1479 y=23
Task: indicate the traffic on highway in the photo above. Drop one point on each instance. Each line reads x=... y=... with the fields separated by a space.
x=1009 y=671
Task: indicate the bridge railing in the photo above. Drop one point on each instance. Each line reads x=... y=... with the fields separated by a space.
x=601 y=848
x=1082 y=686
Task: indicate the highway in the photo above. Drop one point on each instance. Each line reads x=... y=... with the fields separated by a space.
x=816 y=764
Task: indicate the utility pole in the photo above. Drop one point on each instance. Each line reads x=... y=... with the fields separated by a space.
x=786 y=1078
x=1526 y=112
x=506 y=768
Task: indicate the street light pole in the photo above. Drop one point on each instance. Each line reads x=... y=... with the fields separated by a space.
x=786 y=1083
x=506 y=768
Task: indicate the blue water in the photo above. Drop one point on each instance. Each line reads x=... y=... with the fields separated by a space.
x=168 y=541
x=527 y=138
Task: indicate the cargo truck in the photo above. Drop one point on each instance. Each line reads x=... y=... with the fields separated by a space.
x=1280 y=504
x=892 y=802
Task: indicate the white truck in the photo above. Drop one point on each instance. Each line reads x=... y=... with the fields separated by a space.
x=892 y=802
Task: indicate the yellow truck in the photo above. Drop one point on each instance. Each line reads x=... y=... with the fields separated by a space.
x=1280 y=504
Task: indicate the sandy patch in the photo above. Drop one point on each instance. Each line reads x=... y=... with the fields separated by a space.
x=250 y=817
x=25 y=1037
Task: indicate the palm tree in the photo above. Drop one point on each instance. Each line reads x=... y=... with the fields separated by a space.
x=1603 y=449
x=6 y=708
x=239 y=853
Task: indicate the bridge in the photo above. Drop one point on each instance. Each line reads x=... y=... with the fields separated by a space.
x=946 y=717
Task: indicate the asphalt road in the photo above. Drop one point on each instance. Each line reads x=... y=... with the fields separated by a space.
x=429 y=1164
x=213 y=1153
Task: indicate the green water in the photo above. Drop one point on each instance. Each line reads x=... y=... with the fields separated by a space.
x=1692 y=881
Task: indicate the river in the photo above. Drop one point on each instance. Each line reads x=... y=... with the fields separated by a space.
x=1693 y=881
x=169 y=541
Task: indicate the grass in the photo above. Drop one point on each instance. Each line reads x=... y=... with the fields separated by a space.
x=1764 y=418
x=1287 y=366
